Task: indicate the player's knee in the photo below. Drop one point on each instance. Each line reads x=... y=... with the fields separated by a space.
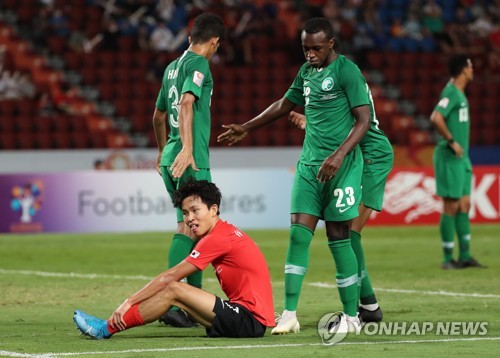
x=300 y=235
x=171 y=290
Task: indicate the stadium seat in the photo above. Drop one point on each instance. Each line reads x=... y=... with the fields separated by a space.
x=7 y=140
x=43 y=124
x=7 y=123
x=79 y=140
x=43 y=140
x=61 y=140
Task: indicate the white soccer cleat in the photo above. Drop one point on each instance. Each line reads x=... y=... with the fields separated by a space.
x=345 y=324
x=287 y=323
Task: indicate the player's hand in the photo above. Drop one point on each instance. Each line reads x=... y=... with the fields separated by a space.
x=457 y=149
x=234 y=134
x=182 y=161
x=330 y=167
x=298 y=119
x=158 y=160
x=116 y=320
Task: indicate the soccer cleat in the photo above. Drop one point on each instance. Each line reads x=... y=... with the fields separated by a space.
x=177 y=318
x=370 y=316
x=472 y=262
x=287 y=323
x=91 y=326
x=450 y=265
x=345 y=324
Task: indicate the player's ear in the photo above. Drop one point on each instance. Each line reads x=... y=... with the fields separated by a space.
x=214 y=209
x=189 y=39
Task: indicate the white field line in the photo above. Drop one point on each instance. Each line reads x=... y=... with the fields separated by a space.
x=314 y=284
x=264 y=346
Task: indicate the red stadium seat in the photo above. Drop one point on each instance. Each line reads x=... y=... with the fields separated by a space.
x=43 y=140
x=7 y=140
x=61 y=140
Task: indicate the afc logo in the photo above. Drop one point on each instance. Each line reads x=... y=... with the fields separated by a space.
x=194 y=254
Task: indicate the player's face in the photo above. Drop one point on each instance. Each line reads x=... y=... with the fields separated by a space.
x=317 y=47
x=198 y=216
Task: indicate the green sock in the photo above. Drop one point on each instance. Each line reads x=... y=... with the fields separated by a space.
x=447 y=230
x=462 y=223
x=180 y=248
x=366 y=294
x=347 y=274
x=297 y=262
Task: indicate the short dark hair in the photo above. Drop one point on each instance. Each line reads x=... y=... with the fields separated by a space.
x=207 y=26
x=206 y=191
x=319 y=24
x=457 y=63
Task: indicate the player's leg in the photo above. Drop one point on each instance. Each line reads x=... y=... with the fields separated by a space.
x=377 y=166
x=342 y=199
x=195 y=301
x=447 y=230
x=305 y=208
x=369 y=309
x=450 y=181
x=462 y=223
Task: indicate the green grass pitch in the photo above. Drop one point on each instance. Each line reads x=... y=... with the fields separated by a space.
x=43 y=278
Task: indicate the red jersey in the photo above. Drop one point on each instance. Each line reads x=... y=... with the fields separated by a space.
x=240 y=268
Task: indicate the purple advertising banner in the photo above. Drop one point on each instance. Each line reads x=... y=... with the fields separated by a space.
x=119 y=201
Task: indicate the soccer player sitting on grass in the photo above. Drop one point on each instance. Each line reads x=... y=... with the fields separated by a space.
x=238 y=263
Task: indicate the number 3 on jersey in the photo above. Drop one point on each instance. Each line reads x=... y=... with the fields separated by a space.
x=348 y=193
x=174 y=114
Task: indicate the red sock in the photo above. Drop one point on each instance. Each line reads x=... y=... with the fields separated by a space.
x=132 y=319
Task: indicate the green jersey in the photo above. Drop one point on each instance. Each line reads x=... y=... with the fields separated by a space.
x=375 y=146
x=188 y=73
x=328 y=95
x=454 y=107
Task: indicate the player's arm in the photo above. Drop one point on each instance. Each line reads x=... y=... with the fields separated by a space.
x=332 y=164
x=176 y=273
x=185 y=157
x=236 y=132
x=160 y=130
x=439 y=122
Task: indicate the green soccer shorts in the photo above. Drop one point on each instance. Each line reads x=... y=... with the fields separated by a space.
x=377 y=166
x=337 y=199
x=453 y=177
x=172 y=184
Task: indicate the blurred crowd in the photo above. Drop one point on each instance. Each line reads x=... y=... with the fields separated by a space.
x=450 y=26
x=14 y=84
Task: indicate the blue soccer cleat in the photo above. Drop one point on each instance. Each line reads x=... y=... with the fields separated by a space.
x=91 y=326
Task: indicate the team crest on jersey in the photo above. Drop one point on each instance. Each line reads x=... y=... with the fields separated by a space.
x=327 y=84
x=198 y=78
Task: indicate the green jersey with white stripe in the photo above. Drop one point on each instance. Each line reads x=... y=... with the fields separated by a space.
x=188 y=73
x=328 y=95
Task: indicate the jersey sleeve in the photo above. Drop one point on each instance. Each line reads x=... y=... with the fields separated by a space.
x=295 y=93
x=196 y=73
x=161 y=103
x=207 y=250
x=445 y=104
x=354 y=85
